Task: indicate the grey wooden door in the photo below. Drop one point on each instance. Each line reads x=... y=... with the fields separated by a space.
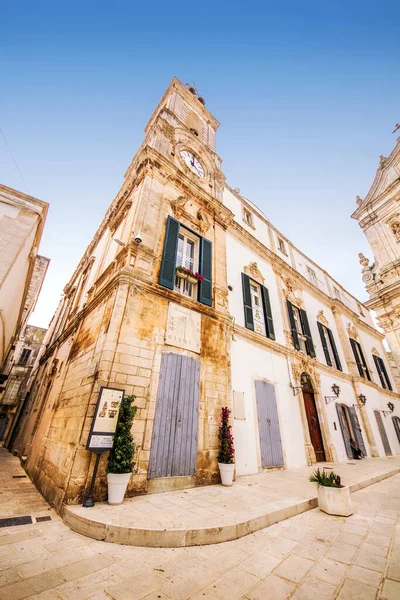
x=345 y=430
x=268 y=425
x=3 y=424
x=396 y=423
x=357 y=430
x=382 y=431
x=174 y=443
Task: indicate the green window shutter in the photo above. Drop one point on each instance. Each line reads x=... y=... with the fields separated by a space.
x=335 y=352
x=385 y=373
x=295 y=335
x=324 y=344
x=364 y=362
x=307 y=332
x=205 y=286
x=379 y=369
x=168 y=261
x=354 y=345
x=248 y=310
x=269 y=324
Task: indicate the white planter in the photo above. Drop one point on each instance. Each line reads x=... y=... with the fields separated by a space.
x=335 y=501
x=117 y=484
x=226 y=472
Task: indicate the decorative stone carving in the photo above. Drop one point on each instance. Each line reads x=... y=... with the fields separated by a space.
x=305 y=364
x=367 y=270
x=382 y=160
x=254 y=272
x=352 y=331
x=289 y=292
x=395 y=227
x=178 y=205
x=204 y=221
x=359 y=200
x=364 y=261
x=375 y=351
x=322 y=318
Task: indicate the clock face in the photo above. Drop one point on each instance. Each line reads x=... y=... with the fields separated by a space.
x=192 y=162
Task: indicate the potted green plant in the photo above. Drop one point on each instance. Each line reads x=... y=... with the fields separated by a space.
x=333 y=497
x=226 y=456
x=120 y=460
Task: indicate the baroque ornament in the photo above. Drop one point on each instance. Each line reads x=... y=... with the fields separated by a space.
x=352 y=331
x=254 y=272
x=289 y=292
x=322 y=318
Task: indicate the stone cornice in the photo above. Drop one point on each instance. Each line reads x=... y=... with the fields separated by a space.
x=282 y=268
x=277 y=348
x=125 y=276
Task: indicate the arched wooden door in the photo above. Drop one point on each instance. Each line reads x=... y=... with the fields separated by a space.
x=312 y=418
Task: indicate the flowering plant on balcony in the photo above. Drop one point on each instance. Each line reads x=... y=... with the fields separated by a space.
x=180 y=270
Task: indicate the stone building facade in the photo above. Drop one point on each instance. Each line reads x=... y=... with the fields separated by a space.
x=26 y=349
x=379 y=218
x=188 y=298
x=22 y=220
x=22 y=272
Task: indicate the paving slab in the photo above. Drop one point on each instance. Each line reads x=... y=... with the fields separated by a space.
x=189 y=517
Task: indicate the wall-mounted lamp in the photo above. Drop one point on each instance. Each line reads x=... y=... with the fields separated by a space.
x=362 y=401
x=336 y=390
x=390 y=406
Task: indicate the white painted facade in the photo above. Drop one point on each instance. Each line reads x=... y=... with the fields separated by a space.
x=281 y=266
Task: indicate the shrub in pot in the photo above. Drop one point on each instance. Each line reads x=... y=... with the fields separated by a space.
x=333 y=497
x=120 y=460
x=226 y=456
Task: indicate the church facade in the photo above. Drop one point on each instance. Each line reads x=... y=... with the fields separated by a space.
x=189 y=299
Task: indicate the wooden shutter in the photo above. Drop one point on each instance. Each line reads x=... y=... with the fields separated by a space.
x=396 y=424
x=357 y=430
x=248 y=310
x=205 y=286
x=324 y=344
x=379 y=369
x=269 y=324
x=345 y=430
x=364 y=362
x=383 y=376
x=335 y=352
x=353 y=344
x=295 y=335
x=382 y=431
x=168 y=261
x=307 y=332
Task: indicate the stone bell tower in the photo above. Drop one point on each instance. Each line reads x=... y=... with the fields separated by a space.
x=379 y=217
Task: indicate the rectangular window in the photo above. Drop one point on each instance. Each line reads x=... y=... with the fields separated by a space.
x=312 y=276
x=281 y=245
x=256 y=304
x=360 y=310
x=336 y=293
x=248 y=217
x=186 y=263
x=360 y=360
x=383 y=375
x=187 y=256
x=23 y=359
x=257 y=307
x=329 y=346
x=300 y=327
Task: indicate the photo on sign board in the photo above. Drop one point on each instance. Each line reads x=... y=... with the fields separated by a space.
x=108 y=411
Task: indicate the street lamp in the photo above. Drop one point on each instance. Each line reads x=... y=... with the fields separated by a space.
x=336 y=390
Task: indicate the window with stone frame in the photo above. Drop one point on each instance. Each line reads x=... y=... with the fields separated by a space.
x=382 y=372
x=312 y=276
x=247 y=217
x=300 y=328
x=186 y=262
x=360 y=360
x=25 y=355
x=281 y=245
x=187 y=256
x=329 y=346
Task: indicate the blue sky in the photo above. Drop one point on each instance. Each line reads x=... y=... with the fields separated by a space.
x=307 y=94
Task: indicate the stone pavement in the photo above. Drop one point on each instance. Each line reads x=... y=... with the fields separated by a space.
x=213 y=514
x=311 y=556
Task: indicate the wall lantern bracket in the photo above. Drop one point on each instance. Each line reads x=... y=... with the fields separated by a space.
x=390 y=406
x=362 y=401
x=336 y=391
